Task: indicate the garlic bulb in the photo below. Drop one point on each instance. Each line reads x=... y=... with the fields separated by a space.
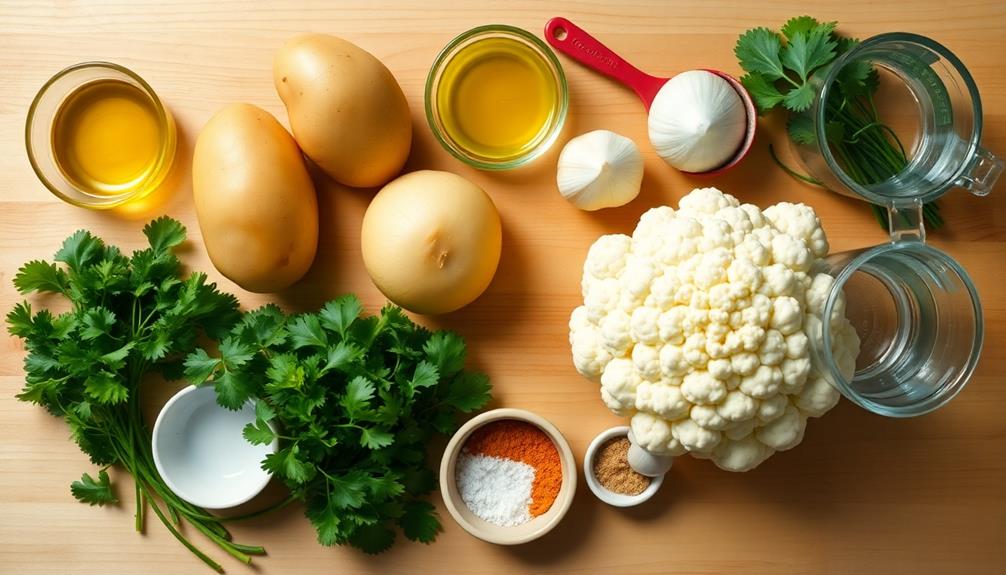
x=600 y=169
x=697 y=121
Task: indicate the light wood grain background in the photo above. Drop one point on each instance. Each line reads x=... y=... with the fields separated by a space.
x=862 y=494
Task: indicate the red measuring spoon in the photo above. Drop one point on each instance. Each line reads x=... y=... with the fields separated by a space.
x=576 y=43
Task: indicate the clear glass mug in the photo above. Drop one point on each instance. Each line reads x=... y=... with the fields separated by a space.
x=929 y=98
x=918 y=317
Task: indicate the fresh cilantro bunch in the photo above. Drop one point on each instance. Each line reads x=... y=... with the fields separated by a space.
x=129 y=316
x=355 y=401
x=779 y=68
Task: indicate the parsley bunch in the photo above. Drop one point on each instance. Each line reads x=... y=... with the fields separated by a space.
x=355 y=401
x=129 y=317
x=779 y=69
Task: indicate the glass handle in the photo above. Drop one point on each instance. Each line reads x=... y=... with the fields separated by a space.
x=982 y=173
x=905 y=223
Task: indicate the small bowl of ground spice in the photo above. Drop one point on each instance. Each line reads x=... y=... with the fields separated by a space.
x=609 y=475
x=508 y=476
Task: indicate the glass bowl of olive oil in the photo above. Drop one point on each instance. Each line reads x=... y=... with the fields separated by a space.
x=496 y=97
x=98 y=136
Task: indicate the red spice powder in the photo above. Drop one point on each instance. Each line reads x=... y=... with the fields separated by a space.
x=521 y=441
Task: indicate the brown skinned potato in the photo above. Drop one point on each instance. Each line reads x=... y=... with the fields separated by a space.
x=256 y=204
x=347 y=111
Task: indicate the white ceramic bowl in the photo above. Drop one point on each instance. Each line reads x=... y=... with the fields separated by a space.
x=610 y=497
x=200 y=452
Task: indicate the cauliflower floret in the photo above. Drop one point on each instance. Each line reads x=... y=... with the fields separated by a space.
x=694 y=437
x=607 y=256
x=663 y=399
x=787 y=317
x=654 y=435
x=737 y=407
x=618 y=386
x=741 y=455
x=709 y=418
x=705 y=201
x=783 y=432
x=701 y=328
x=643 y=325
x=817 y=397
x=799 y=221
x=772 y=407
x=615 y=333
x=763 y=383
x=646 y=360
x=701 y=387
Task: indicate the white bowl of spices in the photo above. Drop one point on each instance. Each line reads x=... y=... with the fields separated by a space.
x=609 y=475
x=508 y=476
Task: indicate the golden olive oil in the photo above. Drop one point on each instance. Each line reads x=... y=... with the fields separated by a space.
x=107 y=138
x=497 y=98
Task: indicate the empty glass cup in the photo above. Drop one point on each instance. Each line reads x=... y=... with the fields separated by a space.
x=926 y=102
x=918 y=318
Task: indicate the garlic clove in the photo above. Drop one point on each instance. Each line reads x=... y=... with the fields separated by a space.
x=599 y=169
x=697 y=121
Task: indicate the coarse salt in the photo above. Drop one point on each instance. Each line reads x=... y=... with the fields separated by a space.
x=495 y=489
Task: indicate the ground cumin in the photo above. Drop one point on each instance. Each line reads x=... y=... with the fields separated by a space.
x=521 y=441
x=611 y=467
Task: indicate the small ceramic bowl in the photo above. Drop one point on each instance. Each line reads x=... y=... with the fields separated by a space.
x=483 y=529
x=437 y=96
x=610 y=497
x=200 y=453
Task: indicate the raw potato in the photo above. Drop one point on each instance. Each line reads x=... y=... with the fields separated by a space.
x=431 y=241
x=347 y=112
x=257 y=207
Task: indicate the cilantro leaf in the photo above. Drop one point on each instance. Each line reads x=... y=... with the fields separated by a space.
x=39 y=276
x=342 y=356
x=358 y=394
x=372 y=539
x=804 y=25
x=338 y=314
x=375 y=438
x=468 y=392
x=305 y=331
x=348 y=491
x=446 y=351
x=80 y=250
x=801 y=129
x=285 y=463
x=426 y=375
x=799 y=99
x=92 y=492
x=758 y=51
x=199 y=366
x=327 y=524
x=164 y=233
x=419 y=522
x=807 y=51
x=258 y=433
x=232 y=390
x=106 y=388
x=764 y=93
x=97 y=322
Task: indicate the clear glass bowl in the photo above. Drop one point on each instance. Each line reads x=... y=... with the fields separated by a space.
x=542 y=140
x=38 y=135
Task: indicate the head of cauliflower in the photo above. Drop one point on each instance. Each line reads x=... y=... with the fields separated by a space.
x=700 y=327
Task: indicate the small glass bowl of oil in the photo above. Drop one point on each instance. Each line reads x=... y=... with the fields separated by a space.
x=496 y=97
x=98 y=136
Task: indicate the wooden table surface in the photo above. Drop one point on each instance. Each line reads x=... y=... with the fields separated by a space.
x=861 y=494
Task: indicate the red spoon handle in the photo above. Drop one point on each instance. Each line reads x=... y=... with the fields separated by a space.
x=572 y=41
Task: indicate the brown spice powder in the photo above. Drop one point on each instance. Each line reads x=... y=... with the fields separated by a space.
x=521 y=441
x=611 y=467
